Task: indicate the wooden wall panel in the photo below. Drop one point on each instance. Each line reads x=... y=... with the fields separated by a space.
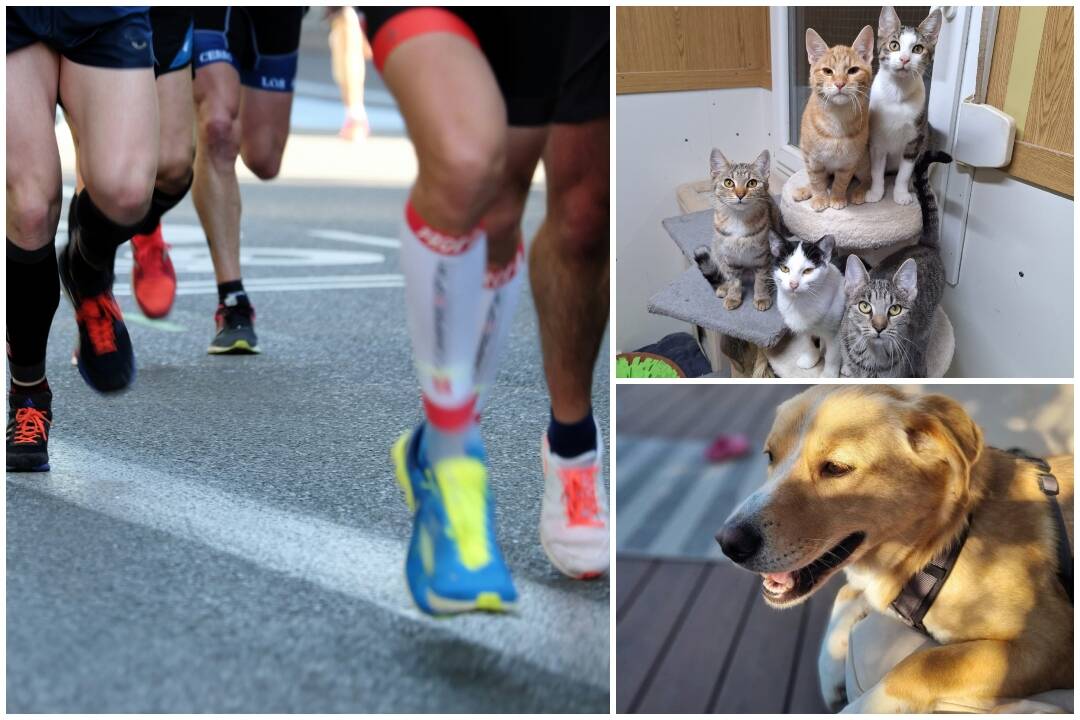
x=1043 y=151
x=662 y=49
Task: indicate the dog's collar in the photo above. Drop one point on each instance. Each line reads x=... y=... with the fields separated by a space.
x=919 y=593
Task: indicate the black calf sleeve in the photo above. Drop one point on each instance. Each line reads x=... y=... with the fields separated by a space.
x=161 y=203
x=98 y=235
x=33 y=293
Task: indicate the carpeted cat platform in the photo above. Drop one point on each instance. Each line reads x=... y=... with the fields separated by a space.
x=784 y=356
x=691 y=298
x=857 y=227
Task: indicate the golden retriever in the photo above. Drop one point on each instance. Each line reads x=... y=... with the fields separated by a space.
x=876 y=482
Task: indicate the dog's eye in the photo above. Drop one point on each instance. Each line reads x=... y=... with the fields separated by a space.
x=834 y=469
x=768 y=454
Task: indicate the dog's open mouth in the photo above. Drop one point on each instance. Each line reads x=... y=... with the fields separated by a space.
x=787 y=587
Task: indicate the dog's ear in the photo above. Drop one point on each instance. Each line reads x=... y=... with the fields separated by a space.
x=943 y=419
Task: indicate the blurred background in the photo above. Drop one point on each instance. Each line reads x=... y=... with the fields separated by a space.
x=693 y=634
x=227 y=536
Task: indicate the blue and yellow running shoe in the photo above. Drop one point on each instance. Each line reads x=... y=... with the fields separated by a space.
x=454 y=564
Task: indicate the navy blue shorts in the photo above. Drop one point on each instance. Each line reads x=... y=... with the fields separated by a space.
x=260 y=42
x=173 y=29
x=105 y=37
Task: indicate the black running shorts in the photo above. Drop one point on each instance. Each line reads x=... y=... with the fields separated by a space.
x=104 y=37
x=173 y=28
x=260 y=42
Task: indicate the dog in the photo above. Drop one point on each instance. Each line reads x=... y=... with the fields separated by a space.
x=874 y=482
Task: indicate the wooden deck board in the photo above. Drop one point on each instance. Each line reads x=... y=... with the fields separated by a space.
x=695 y=636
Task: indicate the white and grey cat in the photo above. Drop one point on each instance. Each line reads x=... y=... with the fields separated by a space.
x=743 y=213
x=810 y=297
x=899 y=131
x=890 y=310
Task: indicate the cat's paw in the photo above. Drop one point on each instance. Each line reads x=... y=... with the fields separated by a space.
x=720 y=291
x=732 y=301
x=819 y=202
x=901 y=197
x=858 y=196
x=807 y=361
x=838 y=203
x=875 y=193
x=763 y=304
x=800 y=194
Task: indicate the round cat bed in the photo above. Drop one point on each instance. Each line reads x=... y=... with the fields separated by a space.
x=784 y=356
x=856 y=227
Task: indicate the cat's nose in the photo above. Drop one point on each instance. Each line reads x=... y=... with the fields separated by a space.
x=793 y=285
x=904 y=59
x=880 y=322
x=740 y=194
x=840 y=86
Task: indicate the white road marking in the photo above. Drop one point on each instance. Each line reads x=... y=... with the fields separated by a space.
x=286 y=284
x=360 y=239
x=556 y=630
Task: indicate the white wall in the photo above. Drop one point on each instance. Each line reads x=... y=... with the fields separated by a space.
x=1008 y=325
x=662 y=141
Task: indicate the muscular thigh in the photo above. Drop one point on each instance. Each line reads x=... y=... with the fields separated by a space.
x=264 y=124
x=177 y=115
x=576 y=161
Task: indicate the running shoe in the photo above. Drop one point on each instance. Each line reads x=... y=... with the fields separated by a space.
x=104 y=354
x=235 y=330
x=153 y=278
x=454 y=564
x=29 y=420
x=574 y=512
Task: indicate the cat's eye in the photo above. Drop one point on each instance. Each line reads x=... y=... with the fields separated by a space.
x=894 y=310
x=729 y=183
x=917 y=48
x=827 y=71
x=784 y=269
x=807 y=271
x=864 y=307
x=834 y=469
x=894 y=45
x=751 y=183
x=852 y=70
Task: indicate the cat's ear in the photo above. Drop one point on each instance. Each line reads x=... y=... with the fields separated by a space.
x=815 y=46
x=906 y=280
x=761 y=164
x=776 y=245
x=888 y=22
x=826 y=244
x=864 y=44
x=931 y=26
x=718 y=164
x=855 y=276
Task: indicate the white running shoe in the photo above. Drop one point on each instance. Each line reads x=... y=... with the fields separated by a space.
x=574 y=512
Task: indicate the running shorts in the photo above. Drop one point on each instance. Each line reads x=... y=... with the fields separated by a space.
x=260 y=42
x=104 y=37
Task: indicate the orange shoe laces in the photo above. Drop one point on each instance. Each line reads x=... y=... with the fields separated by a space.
x=579 y=487
x=98 y=313
x=31 y=425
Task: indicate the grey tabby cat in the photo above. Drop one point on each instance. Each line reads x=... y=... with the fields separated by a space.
x=886 y=326
x=743 y=212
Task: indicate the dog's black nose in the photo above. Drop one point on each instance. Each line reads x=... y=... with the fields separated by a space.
x=740 y=542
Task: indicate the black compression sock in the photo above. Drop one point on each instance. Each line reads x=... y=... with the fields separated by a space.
x=98 y=236
x=571 y=440
x=36 y=389
x=161 y=203
x=235 y=289
x=33 y=293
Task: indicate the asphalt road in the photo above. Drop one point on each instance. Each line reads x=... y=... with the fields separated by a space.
x=227 y=535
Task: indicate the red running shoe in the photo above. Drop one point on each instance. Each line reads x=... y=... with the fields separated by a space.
x=153 y=278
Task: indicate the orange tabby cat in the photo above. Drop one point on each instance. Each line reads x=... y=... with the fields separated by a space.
x=836 y=122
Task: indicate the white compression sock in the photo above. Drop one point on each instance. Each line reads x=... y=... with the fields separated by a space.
x=502 y=288
x=443 y=274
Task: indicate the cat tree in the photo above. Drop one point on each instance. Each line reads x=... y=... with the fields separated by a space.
x=872 y=231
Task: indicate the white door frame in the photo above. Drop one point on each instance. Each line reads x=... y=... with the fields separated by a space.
x=954 y=79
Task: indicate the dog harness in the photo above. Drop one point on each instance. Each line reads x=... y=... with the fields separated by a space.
x=919 y=593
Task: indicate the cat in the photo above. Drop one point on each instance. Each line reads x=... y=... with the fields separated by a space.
x=743 y=213
x=886 y=326
x=899 y=131
x=835 y=123
x=810 y=297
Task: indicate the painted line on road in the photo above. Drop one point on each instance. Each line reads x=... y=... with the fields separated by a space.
x=555 y=630
x=165 y=325
x=358 y=238
x=297 y=284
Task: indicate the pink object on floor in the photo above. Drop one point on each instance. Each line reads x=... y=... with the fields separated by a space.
x=727 y=447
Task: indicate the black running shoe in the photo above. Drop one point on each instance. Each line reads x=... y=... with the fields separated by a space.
x=104 y=354
x=235 y=330
x=29 y=420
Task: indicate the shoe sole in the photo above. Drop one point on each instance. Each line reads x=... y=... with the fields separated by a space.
x=35 y=468
x=590 y=575
x=439 y=605
x=240 y=347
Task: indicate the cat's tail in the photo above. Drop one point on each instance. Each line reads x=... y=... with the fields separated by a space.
x=927 y=202
x=708 y=266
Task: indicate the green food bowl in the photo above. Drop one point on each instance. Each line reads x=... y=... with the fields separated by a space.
x=645 y=365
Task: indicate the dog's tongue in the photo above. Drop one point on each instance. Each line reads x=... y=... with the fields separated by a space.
x=778 y=582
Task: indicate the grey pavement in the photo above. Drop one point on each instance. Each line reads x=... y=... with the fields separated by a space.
x=227 y=535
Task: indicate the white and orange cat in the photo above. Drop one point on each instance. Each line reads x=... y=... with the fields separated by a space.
x=835 y=126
